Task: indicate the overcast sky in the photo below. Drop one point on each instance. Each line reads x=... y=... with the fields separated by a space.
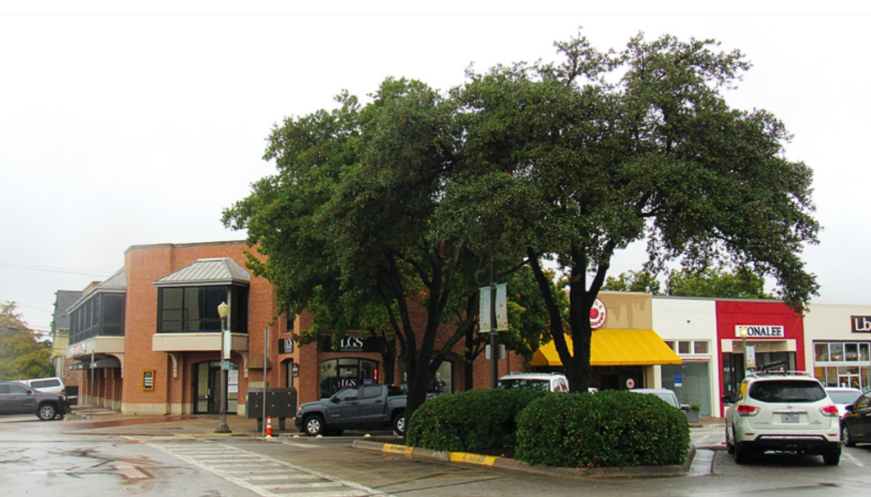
x=136 y=124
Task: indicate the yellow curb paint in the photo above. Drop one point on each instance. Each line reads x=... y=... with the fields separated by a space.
x=472 y=458
x=202 y=435
x=397 y=449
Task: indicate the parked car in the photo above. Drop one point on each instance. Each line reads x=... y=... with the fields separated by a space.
x=856 y=425
x=546 y=382
x=18 y=398
x=365 y=407
x=50 y=385
x=783 y=411
x=665 y=394
x=843 y=397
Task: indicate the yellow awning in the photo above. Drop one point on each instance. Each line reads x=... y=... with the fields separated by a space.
x=616 y=348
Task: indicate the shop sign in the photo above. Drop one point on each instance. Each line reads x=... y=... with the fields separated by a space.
x=352 y=344
x=860 y=324
x=148 y=379
x=630 y=383
x=761 y=331
x=296 y=370
x=285 y=345
x=598 y=313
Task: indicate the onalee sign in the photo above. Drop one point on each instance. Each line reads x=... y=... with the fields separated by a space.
x=761 y=331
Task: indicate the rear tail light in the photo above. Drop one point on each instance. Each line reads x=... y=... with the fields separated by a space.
x=830 y=411
x=745 y=410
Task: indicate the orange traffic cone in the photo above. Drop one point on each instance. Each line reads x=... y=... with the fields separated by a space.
x=269 y=427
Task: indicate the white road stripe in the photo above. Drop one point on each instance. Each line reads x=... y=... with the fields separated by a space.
x=858 y=462
x=248 y=480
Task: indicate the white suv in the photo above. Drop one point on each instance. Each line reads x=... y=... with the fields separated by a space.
x=547 y=382
x=782 y=411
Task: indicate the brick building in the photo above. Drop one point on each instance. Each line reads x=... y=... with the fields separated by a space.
x=150 y=337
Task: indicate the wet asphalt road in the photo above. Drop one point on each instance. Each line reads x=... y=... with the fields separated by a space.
x=44 y=459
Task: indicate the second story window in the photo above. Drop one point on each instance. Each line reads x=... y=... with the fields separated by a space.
x=195 y=309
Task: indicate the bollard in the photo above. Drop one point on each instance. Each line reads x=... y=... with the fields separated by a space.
x=269 y=427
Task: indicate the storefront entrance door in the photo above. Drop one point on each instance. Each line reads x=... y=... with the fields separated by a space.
x=208 y=388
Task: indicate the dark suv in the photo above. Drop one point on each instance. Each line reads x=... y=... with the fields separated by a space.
x=18 y=398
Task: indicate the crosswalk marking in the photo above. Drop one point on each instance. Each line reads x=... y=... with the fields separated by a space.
x=263 y=475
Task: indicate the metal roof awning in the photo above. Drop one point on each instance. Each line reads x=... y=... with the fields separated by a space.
x=220 y=271
x=109 y=362
x=616 y=348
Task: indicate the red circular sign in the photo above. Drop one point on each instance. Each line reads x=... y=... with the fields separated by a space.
x=598 y=313
x=630 y=383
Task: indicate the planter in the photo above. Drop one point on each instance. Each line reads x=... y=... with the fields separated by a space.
x=692 y=415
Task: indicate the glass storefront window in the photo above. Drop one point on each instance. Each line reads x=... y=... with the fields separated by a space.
x=851 y=350
x=821 y=352
x=863 y=352
x=340 y=373
x=683 y=347
x=837 y=352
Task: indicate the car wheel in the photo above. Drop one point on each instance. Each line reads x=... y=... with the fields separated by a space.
x=399 y=424
x=742 y=454
x=730 y=446
x=833 y=457
x=847 y=437
x=314 y=426
x=47 y=412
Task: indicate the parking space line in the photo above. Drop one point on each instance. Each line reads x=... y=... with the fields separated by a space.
x=856 y=461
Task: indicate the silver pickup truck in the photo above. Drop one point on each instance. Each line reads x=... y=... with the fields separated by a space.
x=354 y=408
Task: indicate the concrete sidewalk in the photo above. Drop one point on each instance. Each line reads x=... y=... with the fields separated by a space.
x=83 y=419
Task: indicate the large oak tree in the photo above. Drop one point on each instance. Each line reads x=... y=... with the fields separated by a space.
x=608 y=148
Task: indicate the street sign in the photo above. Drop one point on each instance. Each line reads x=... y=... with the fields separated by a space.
x=501 y=352
x=226 y=365
x=678 y=379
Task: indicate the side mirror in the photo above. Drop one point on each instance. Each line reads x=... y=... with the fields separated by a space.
x=849 y=408
x=727 y=399
x=684 y=407
x=334 y=400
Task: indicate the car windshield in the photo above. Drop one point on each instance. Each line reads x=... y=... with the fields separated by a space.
x=668 y=398
x=543 y=385
x=844 y=397
x=787 y=391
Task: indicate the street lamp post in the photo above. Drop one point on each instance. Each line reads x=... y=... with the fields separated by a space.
x=223 y=311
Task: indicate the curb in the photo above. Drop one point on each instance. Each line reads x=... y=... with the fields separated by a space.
x=522 y=467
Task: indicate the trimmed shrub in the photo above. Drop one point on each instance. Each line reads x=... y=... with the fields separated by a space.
x=469 y=421
x=607 y=429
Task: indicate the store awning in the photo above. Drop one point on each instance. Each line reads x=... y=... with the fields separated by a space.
x=616 y=348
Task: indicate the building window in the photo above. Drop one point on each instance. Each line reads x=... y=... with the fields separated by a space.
x=687 y=347
x=195 y=309
x=337 y=374
x=843 y=364
x=101 y=315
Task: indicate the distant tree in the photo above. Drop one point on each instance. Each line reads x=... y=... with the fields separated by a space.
x=632 y=281
x=741 y=283
x=22 y=355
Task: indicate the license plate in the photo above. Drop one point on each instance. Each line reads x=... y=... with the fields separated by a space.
x=789 y=418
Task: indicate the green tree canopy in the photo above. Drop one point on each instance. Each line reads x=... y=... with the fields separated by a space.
x=355 y=229
x=607 y=148
x=22 y=355
x=633 y=281
x=717 y=283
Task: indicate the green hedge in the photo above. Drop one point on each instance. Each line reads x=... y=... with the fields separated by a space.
x=607 y=429
x=469 y=421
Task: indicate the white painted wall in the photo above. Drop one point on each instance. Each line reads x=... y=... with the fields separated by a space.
x=827 y=321
x=687 y=318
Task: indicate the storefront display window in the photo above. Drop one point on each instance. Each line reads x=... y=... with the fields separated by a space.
x=843 y=364
x=337 y=374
